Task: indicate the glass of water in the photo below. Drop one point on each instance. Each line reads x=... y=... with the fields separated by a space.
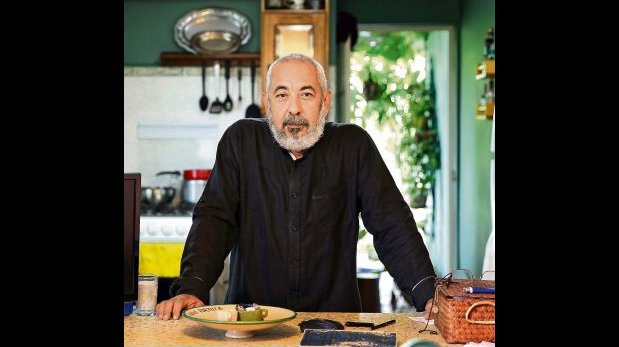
x=147 y=295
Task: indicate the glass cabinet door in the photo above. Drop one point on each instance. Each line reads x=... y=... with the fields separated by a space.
x=295 y=38
x=285 y=31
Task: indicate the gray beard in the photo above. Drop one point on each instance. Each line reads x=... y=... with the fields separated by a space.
x=291 y=141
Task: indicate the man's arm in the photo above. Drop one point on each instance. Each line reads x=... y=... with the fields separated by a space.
x=388 y=217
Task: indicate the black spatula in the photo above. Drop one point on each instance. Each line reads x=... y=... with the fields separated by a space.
x=217 y=105
x=204 y=98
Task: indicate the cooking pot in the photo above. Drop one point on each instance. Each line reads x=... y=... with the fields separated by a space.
x=163 y=191
x=156 y=196
x=194 y=182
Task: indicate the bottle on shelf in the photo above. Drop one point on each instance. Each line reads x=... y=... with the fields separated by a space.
x=489 y=96
x=489 y=47
x=481 y=105
x=490 y=92
x=275 y=4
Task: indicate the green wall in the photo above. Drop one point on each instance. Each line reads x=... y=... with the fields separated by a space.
x=428 y=12
x=149 y=26
x=475 y=217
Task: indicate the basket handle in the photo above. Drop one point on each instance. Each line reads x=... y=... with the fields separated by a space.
x=466 y=271
x=466 y=316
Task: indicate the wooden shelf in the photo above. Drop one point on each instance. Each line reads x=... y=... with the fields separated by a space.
x=485 y=70
x=189 y=59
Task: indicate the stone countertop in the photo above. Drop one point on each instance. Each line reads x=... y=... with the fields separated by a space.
x=149 y=331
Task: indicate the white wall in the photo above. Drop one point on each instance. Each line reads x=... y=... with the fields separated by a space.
x=181 y=135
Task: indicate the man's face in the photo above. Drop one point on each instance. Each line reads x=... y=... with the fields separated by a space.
x=296 y=107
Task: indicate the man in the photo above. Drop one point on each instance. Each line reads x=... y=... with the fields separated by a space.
x=284 y=197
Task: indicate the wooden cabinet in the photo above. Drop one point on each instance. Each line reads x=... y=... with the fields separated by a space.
x=285 y=31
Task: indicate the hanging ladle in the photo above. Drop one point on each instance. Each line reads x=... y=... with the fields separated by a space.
x=204 y=98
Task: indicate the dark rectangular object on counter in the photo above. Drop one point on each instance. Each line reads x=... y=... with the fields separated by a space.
x=465 y=317
x=319 y=337
x=132 y=198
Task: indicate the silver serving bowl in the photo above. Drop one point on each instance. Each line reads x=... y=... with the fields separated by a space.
x=215 y=42
x=212 y=30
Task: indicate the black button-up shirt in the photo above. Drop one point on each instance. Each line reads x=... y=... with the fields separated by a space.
x=292 y=226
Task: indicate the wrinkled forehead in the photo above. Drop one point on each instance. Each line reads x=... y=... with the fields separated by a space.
x=294 y=75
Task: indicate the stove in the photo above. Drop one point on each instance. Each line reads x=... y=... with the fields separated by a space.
x=164 y=228
x=170 y=231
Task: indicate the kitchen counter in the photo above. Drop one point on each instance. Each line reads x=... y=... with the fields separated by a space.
x=149 y=331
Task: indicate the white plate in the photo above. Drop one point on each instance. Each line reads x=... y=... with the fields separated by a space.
x=238 y=329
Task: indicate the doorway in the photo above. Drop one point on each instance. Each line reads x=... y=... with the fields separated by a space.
x=377 y=84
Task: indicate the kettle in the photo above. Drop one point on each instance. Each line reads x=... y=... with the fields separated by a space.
x=194 y=182
x=170 y=180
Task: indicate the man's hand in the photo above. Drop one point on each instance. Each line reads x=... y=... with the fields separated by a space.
x=428 y=312
x=175 y=305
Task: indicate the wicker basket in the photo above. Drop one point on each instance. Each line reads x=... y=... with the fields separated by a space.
x=463 y=317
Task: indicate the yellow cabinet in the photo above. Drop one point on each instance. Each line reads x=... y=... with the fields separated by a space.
x=161 y=258
x=287 y=30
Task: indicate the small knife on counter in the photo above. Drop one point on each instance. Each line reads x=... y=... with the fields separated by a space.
x=359 y=324
x=369 y=324
x=384 y=324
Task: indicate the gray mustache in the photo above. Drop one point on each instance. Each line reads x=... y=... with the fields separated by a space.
x=295 y=120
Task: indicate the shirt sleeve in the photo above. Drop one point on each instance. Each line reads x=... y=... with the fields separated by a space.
x=389 y=219
x=214 y=225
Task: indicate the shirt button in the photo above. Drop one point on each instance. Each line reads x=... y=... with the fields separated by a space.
x=293 y=262
x=294 y=195
x=294 y=228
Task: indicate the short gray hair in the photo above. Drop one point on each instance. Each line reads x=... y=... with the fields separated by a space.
x=322 y=77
